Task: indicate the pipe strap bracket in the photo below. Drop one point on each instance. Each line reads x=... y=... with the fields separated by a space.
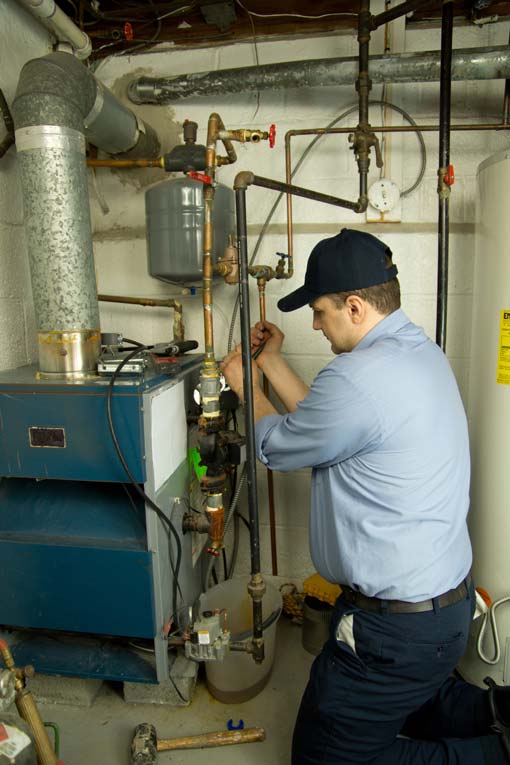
x=50 y=137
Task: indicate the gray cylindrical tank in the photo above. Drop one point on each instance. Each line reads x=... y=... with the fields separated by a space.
x=175 y=220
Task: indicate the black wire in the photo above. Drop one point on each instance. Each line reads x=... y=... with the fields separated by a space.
x=225 y=571
x=243 y=519
x=171 y=528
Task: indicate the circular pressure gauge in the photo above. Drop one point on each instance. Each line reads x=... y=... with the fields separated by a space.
x=383 y=195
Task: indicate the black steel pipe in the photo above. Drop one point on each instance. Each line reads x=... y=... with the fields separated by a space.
x=299 y=191
x=444 y=161
x=251 y=457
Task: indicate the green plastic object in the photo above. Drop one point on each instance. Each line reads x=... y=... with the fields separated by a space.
x=194 y=460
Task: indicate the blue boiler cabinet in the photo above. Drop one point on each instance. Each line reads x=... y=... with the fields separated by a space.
x=85 y=567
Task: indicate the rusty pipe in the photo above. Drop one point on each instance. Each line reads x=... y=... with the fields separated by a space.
x=152 y=303
x=261 y=284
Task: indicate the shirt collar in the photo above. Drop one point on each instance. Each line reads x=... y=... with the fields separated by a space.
x=390 y=324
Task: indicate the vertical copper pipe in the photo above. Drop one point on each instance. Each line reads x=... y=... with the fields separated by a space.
x=288 y=179
x=261 y=283
x=207 y=274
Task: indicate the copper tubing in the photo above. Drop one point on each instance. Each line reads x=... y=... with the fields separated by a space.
x=206 y=740
x=215 y=126
x=380 y=129
x=261 y=283
x=152 y=303
x=159 y=162
x=28 y=711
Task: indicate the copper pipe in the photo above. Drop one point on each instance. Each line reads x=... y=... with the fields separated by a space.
x=380 y=129
x=159 y=162
x=152 y=303
x=261 y=283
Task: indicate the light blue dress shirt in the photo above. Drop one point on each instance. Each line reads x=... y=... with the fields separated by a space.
x=385 y=431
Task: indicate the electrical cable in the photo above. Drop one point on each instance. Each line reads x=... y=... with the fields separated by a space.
x=310 y=146
x=148 y=501
x=291 y=15
x=490 y=617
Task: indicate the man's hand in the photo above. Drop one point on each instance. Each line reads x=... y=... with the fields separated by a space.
x=232 y=368
x=266 y=340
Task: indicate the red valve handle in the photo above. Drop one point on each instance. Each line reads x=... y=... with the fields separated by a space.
x=200 y=177
x=128 y=31
x=272 y=136
x=449 y=176
x=213 y=552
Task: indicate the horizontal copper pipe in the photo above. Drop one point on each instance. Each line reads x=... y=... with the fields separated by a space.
x=397 y=129
x=153 y=302
x=159 y=162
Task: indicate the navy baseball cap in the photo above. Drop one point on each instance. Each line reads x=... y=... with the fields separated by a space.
x=351 y=260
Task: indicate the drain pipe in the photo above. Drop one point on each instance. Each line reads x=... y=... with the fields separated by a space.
x=59 y=104
x=445 y=173
x=60 y=25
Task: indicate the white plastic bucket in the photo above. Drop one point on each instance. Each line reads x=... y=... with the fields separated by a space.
x=238 y=678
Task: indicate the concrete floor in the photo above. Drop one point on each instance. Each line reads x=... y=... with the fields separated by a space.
x=101 y=734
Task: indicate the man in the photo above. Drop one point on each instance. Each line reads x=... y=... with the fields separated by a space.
x=384 y=429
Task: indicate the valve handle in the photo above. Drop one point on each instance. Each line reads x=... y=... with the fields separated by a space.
x=272 y=136
x=449 y=176
x=200 y=177
x=128 y=31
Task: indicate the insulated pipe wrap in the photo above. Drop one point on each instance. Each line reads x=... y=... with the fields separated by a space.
x=468 y=64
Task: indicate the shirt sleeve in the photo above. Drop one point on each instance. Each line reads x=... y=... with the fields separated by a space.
x=335 y=421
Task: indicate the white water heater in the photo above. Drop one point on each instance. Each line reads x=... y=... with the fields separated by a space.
x=489 y=409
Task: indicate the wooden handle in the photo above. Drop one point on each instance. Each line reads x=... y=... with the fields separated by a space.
x=217 y=738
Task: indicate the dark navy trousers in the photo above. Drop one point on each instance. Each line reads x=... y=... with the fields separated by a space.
x=387 y=695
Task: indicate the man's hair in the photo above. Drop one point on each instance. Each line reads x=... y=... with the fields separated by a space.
x=385 y=298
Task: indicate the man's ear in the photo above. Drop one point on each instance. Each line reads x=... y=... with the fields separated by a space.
x=356 y=309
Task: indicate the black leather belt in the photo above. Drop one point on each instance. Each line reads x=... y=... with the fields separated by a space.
x=403 y=606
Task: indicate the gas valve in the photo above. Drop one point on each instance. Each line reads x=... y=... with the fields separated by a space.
x=208 y=640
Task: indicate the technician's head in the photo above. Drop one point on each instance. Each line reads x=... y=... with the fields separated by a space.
x=351 y=285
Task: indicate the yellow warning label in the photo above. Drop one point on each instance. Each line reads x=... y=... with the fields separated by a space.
x=503 y=374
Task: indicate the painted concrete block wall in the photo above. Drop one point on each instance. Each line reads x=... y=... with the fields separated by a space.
x=21 y=38
x=120 y=248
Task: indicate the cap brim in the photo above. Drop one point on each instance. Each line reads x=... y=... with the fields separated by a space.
x=297 y=299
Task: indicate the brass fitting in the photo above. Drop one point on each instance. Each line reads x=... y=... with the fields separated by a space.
x=243 y=180
x=244 y=135
x=216 y=513
x=257 y=587
x=228 y=265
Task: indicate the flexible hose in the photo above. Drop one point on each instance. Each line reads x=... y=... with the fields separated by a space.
x=308 y=149
x=490 y=617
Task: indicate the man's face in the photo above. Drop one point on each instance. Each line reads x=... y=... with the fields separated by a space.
x=334 y=323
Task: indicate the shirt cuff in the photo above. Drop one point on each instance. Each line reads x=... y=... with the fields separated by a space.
x=263 y=429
